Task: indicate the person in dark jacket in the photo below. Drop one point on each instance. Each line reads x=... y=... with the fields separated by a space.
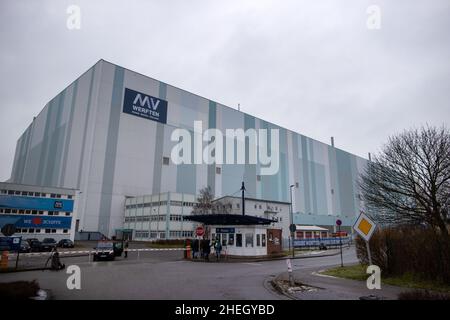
x=206 y=248
x=195 y=245
x=217 y=248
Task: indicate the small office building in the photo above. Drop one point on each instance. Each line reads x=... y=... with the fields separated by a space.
x=158 y=216
x=241 y=235
x=38 y=212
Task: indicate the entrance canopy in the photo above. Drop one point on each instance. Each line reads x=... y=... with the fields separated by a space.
x=228 y=219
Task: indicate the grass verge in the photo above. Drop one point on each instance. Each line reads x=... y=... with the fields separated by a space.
x=358 y=272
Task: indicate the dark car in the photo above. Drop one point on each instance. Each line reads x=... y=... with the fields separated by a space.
x=322 y=246
x=35 y=245
x=48 y=244
x=65 y=243
x=104 y=251
x=107 y=250
x=24 y=246
x=29 y=240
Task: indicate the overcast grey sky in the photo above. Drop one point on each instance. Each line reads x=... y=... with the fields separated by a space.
x=310 y=66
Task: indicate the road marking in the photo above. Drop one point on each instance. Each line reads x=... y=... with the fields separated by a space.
x=252 y=263
x=322 y=275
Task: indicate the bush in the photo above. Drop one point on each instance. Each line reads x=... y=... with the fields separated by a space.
x=411 y=249
x=19 y=290
x=422 y=295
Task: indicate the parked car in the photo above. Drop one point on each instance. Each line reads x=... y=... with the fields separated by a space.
x=65 y=243
x=322 y=246
x=24 y=246
x=29 y=240
x=48 y=244
x=35 y=245
x=107 y=250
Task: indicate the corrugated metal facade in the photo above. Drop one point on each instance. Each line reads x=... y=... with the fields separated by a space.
x=83 y=140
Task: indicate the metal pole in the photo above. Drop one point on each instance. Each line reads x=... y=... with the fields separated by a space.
x=243 y=198
x=340 y=244
x=292 y=221
x=17 y=258
x=369 y=255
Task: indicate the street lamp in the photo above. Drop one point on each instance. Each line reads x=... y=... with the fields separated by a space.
x=291 y=227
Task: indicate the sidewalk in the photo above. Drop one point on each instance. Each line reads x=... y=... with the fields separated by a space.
x=331 y=288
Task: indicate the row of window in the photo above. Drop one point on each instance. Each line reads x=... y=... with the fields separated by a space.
x=36 y=194
x=35 y=231
x=159 y=204
x=159 y=217
x=41 y=212
x=227 y=239
x=162 y=235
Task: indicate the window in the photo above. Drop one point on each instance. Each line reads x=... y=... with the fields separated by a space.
x=47 y=230
x=238 y=239
x=258 y=240
x=14 y=210
x=263 y=240
x=53 y=230
x=67 y=213
x=21 y=211
x=38 y=230
x=27 y=211
x=248 y=240
x=69 y=196
x=218 y=170
x=231 y=239
x=41 y=212
x=7 y=210
x=10 y=192
x=52 y=195
x=166 y=161
x=224 y=239
x=50 y=213
x=258 y=177
x=31 y=230
x=24 y=193
x=34 y=211
x=238 y=205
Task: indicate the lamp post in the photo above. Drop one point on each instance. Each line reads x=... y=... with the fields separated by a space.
x=292 y=220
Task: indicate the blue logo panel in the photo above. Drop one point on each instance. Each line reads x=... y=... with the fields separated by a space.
x=34 y=221
x=142 y=105
x=30 y=203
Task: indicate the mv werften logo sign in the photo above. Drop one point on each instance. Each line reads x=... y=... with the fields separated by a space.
x=145 y=106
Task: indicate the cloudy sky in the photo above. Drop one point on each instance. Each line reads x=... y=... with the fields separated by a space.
x=310 y=66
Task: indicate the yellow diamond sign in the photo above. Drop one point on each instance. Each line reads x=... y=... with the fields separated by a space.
x=364 y=226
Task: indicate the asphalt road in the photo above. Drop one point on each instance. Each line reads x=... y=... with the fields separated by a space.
x=165 y=275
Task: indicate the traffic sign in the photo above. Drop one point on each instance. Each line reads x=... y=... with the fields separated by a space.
x=199 y=231
x=292 y=228
x=338 y=222
x=364 y=226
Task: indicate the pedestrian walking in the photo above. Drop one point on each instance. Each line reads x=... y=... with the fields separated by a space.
x=126 y=249
x=217 y=248
x=206 y=248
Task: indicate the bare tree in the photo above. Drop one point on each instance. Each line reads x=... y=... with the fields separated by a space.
x=206 y=204
x=409 y=181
